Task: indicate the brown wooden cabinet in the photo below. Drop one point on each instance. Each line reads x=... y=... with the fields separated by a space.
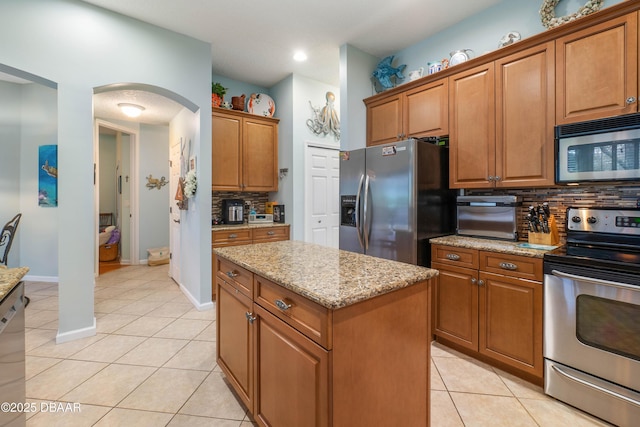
x=502 y=118
x=597 y=71
x=296 y=363
x=243 y=236
x=244 y=151
x=490 y=305
x=418 y=112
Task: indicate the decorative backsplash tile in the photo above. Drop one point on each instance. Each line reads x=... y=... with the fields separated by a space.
x=560 y=198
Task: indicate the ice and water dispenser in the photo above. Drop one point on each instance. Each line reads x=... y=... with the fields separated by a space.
x=348 y=210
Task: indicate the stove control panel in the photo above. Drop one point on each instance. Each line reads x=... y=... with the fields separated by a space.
x=604 y=220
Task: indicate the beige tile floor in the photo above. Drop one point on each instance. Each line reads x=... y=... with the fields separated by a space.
x=152 y=363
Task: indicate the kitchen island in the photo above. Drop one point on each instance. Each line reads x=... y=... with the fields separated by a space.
x=314 y=336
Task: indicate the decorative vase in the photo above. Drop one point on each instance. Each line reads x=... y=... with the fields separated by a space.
x=216 y=100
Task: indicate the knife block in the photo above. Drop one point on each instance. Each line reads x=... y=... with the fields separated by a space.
x=552 y=238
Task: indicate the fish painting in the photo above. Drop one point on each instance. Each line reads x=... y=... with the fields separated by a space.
x=48 y=176
x=385 y=71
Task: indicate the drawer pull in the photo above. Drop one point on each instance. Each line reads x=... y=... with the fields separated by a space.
x=453 y=257
x=233 y=236
x=271 y=233
x=232 y=274
x=282 y=305
x=250 y=317
x=508 y=266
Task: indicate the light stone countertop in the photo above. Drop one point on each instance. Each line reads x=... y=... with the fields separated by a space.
x=9 y=278
x=227 y=227
x=501 y=246
x=330 y=277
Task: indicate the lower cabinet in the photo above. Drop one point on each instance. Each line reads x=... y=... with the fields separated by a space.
x=295 y=363
x=492 y=311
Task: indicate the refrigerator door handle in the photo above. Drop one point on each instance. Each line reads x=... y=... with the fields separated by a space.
x=365 y=230
x=358 y=228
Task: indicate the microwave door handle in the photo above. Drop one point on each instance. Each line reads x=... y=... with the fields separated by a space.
x=594 y=281
x=367 y=223
x=358 y=225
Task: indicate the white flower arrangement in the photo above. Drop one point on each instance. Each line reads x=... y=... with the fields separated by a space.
x=190 y=184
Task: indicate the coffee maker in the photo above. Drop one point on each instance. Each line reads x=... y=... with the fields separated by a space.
x=233 y=211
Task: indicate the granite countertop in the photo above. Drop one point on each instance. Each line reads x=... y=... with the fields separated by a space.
x=502 y=246
x=9 y=278
x=225 y=227
x=330 y=277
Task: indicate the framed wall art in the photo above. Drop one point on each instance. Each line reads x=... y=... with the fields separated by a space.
x=48 y=176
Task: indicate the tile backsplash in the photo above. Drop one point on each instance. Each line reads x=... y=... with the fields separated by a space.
x=258 y=200
x=560 y=198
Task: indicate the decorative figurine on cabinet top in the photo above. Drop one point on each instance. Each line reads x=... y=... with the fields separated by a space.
x=385 y=71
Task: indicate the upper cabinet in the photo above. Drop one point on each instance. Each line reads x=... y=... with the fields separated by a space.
x=244 y=150
x=597 y=71
x=417 y=112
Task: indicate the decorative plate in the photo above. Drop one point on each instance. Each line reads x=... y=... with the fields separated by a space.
x=261 y=104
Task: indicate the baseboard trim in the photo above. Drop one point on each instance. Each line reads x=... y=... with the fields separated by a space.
x=199 y=306
x=76 y=334
x=50 y=279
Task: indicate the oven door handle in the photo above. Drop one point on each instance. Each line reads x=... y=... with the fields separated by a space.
x=594 y=281
x=594 y=386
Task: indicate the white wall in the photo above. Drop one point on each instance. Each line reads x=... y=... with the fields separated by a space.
x=153 y=203
x=81 y=47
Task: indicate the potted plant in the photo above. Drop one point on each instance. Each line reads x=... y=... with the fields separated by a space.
x=217 y=94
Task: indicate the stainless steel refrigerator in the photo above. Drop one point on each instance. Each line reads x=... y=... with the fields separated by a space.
x=394 y=198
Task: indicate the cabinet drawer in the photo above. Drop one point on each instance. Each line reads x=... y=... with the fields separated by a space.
x=268 y=234
x=307 y=317
x=452 y=255
x=236 y=276
x=230 y=237
x=511 y=265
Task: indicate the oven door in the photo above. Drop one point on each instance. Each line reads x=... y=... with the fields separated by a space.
x=592 y=322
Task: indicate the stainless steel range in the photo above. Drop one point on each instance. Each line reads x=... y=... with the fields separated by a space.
x=592 y=314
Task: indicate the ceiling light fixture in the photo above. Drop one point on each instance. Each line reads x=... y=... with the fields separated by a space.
x=131 y=110
x=300 y=56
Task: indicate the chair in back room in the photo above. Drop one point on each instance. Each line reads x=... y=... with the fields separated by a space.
x=6 y=239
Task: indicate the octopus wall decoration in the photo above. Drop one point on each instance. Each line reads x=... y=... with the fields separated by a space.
x=325 y=121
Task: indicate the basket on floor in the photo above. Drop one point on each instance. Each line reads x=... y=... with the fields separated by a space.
x=108 y=252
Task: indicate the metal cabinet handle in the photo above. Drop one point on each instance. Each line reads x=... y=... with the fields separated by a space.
x=490 y=178
x=474 y=280
x=233 y=236
x=453 y=257
x=480 y=282
x=282 y=305
x=270 y=233
x=232 y=274
x=631 y=100
x=497 y=178
x=508 y=266
x=250 y=317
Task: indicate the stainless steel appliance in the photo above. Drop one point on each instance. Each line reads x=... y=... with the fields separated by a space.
x=232 y=211
x=592 y=314
x=12 y=357
x=598 y=150
x=394 y=198
x=488 y=216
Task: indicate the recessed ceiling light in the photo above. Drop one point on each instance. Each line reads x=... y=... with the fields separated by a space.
x=300 y=56
x=131 y=110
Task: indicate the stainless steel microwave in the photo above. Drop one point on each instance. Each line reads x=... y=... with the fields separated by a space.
x=598 y=150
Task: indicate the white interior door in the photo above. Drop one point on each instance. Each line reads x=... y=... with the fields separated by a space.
x=174 y=213
x=322 y=192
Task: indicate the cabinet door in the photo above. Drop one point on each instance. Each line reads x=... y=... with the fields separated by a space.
x=234 y=340
x=292 y=376
x=511 y=321
x=384 y=121
x=427 y=110
x=260 y=154
x=226 y=152
x=525 y=101
x=472 y=128
x=456 y=305
x=597 y=70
